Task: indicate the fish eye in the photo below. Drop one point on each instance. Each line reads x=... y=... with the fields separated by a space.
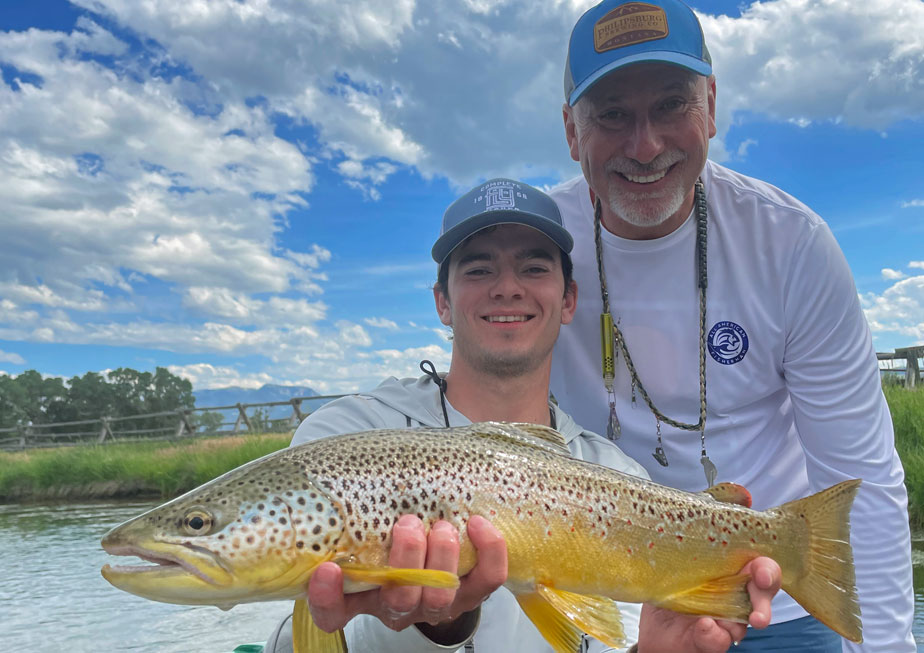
x=197 y=522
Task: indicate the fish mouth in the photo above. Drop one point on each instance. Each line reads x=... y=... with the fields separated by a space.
x=179 y=573
x=164 y=564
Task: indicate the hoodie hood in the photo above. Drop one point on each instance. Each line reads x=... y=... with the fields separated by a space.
x=419 y=400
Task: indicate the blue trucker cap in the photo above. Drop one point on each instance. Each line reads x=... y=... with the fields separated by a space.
x=500 y=201
x=616 y=33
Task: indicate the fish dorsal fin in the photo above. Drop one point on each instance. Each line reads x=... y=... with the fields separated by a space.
x=308 y=638
x=597 y=616
x=730 y=493
x=535 y=435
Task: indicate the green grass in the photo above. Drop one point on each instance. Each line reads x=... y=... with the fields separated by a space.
x=170 y=468
x=153 y=468
x=907 y=408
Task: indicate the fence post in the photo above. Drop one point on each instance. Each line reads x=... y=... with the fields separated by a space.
x=22 y=435
x=183 y=424
x=104 y=430
x=297 y=415
x=242 y=416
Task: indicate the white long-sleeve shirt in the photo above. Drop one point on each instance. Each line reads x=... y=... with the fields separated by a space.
x=793 y=390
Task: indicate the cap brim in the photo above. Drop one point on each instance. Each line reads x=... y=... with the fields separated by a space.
x=698 y=66
x=446 y=243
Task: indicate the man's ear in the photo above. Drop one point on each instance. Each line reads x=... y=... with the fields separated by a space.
x=567 y=115
x=569 y=305
x=710 y=90
x=443 y=309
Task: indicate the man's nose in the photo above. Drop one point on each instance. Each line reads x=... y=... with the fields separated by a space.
x=645 y=142
x=506 y=285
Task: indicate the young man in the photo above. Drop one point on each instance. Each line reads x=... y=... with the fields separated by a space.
x=731 y=282
x=505 y=289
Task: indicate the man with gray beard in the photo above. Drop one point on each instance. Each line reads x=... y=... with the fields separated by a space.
x=691 y=272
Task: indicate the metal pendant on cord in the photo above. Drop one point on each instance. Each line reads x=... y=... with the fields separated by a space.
x=613 y=344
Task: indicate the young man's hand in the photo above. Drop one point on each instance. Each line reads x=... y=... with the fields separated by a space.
x=663 y=631
x=399 y=607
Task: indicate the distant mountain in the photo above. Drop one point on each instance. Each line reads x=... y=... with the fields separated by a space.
x=269 y=392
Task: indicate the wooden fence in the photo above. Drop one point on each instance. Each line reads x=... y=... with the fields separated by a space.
x=911 y=369
x=183 y=423
x=213 y=420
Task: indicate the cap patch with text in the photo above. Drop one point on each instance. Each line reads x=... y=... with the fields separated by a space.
x=628 y=24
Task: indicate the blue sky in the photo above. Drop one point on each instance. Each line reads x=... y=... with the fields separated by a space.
x=247 y=191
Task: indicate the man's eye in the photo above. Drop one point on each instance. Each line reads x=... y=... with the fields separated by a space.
x=537 y=269
x=612 y=115
x=476 y=272
x=673 y=105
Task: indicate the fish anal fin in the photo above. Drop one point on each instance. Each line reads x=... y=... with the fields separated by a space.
x=308 y=638
x=726 y=597
x=561 y=634
x=381 y=575
x=730 y=493
x=597 y=616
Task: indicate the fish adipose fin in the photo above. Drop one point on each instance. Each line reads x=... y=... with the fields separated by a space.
x=730 y=493
x=597 y=616
x=826 y=588
x=726 y=597
x=308 y=638
x=536 y=435
x=376 y=575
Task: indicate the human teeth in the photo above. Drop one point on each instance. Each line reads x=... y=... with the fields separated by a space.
x=506 y=318
x=638 y=179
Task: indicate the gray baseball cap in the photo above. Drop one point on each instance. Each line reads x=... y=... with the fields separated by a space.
x=500 y=201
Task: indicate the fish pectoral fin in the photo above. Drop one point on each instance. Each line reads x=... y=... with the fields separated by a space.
x=730 y=493
x=726 y=597
x=557 y=629
x=597 y=616
x=378 y=575
x=308 y=638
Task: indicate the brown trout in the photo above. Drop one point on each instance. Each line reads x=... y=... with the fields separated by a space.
x=579 y=535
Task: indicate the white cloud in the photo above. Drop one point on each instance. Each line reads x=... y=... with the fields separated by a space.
x=891 y=275
x=766 y=59
x=745 y=146
x=916 y=264
x=353 y=334
x=11 y=357
x=912 y=203
x=381 y=323
x=204 y=376
x=899 y=310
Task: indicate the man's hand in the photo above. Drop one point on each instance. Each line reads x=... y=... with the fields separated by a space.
x=398 y=607
x=663 y=631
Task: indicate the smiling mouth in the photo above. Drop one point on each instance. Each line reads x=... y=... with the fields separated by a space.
x=650 y=178
x=508 y=318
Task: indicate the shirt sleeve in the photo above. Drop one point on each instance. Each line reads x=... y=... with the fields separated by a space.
x=844 y=423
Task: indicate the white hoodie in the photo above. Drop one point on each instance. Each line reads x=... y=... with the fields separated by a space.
x=403 y=403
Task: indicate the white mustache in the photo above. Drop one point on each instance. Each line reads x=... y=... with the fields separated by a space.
x=627 y=166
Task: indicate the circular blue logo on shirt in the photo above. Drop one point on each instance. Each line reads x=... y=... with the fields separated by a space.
x=728 y=342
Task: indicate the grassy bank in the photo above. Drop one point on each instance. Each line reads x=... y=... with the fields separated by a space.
x=907 y=408
x=166 y=469
x=156 y=469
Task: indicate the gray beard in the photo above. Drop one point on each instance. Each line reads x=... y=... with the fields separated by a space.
x=646 y=210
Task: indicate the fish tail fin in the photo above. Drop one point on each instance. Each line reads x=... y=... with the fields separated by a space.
x=308 y=638
x=826 y=588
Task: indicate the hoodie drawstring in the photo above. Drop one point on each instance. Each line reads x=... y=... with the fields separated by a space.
x=440 y=383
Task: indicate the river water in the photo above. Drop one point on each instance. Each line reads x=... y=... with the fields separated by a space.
x=52 y=597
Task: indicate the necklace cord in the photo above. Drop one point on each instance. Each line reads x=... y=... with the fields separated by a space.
x=700 y=205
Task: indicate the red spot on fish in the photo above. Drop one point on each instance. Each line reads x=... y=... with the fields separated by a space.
x=629 y=522
x=680 y=538
x=651 y=545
